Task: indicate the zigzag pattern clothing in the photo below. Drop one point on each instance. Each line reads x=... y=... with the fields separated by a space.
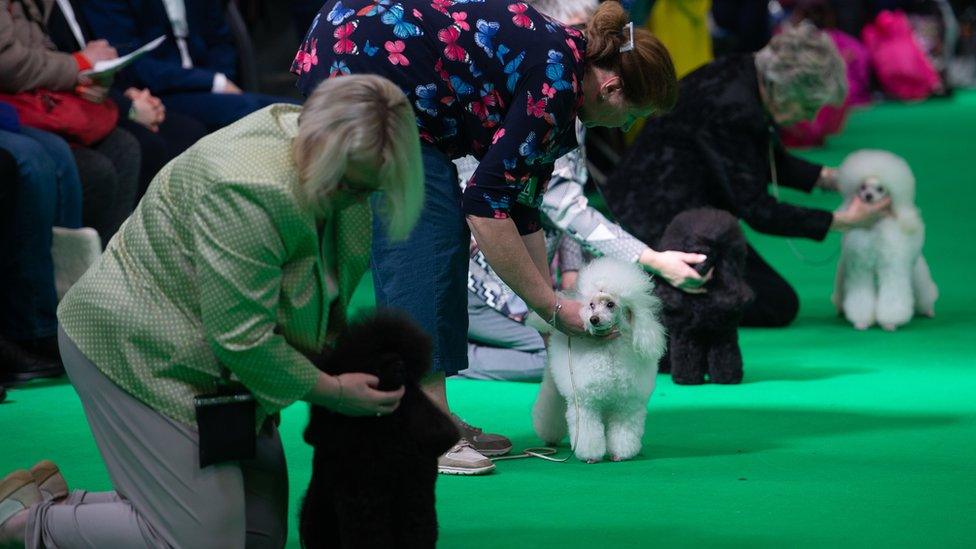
x=494 y=79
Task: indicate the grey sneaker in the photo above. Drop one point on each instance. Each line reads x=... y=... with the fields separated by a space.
x=462 y=459
x=487 y=444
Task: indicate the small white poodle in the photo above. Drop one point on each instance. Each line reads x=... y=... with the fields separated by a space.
x=882 y=276
x=597 y=389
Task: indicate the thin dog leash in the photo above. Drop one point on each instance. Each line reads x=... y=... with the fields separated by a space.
x=775 y=175
x=544 y=452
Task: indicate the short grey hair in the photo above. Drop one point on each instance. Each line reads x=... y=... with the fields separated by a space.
x=804 y=64
x=362 y=118
x=565 y=10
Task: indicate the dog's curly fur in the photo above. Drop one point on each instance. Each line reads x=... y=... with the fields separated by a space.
x=882 y=276
x=703 y=328
x=610 y=380
x=373 y=478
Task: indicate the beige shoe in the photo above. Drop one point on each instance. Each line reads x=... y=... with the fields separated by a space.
x=462 y=459
x=49 y=481
x=17 y=492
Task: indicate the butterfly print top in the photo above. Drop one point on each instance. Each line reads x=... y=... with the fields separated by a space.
x=494 y=79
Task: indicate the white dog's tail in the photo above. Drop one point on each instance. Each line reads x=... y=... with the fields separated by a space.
x=549 y=412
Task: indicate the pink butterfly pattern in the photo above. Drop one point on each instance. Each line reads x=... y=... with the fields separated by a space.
x=343 y=44
x=395 y=51
x=452 y=50
x=519 y=17
x=485 y=81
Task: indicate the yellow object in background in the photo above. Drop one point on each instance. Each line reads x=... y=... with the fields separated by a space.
x=682 y=25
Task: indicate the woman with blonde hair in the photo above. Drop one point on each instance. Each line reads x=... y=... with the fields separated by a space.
x=240 y=259
x=718 y=148
x=499 y=81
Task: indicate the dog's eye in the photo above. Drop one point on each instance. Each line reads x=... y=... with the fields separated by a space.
x=592 y=306
x=610 y=304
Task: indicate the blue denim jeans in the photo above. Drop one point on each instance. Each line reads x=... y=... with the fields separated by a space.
x=47 y=193
x=426 y=274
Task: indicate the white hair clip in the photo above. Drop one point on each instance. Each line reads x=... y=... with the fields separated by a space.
x=630 y=39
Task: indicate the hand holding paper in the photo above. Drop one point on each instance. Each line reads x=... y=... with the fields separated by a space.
x=105 y=68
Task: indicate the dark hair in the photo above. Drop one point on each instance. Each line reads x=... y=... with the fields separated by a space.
x=647 y=72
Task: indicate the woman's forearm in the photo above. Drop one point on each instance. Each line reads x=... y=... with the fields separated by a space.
x=519 y=261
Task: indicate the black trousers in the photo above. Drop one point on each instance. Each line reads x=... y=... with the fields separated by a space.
x=175 y=135
x=109 y=172
x=776 y=303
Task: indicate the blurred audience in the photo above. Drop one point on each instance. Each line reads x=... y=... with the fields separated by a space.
x=33 y=72
x=40 y=190
x=194 y=72
x=162 y=135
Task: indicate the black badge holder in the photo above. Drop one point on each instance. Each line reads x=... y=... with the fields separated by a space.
x=226 y=423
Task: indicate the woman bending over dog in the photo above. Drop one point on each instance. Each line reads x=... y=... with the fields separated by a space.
x=499 y=81
x=718 y=148
x=227 y=271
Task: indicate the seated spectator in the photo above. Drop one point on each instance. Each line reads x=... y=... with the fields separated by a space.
x=108 y=169
x=193 y=72
x=162 y=135
x=43 y=192
x=8 y=172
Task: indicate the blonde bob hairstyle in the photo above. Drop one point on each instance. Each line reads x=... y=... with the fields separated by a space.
x=368 y=120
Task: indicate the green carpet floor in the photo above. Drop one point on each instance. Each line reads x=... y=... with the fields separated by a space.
x=836 y=438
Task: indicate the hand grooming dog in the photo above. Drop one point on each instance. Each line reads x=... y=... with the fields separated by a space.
x=703 y=329
x=882 y=276
x=373 y=477
x=597 y=388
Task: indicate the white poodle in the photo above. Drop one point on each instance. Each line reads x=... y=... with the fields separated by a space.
x=597 y=389
x=882 y=276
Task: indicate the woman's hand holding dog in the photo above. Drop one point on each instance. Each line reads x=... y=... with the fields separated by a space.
x=676 y=269
x=353 y=394
x=568 y=319
x=860 y=214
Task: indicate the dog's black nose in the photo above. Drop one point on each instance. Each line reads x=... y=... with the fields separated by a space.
x=594 y=320
x=869 y=197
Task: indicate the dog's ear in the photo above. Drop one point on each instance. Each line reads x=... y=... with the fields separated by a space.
x=908 y=219
x=648 y=337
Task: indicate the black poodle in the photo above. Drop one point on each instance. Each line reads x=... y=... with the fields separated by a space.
x=703 y=332
x=373 y=477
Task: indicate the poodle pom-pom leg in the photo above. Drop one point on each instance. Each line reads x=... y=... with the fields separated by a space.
x=895 y=300
x=624 y=432
x=549 y=412
x=860 y=299
x=725 y=359
x=688 y=359
x=586 y=433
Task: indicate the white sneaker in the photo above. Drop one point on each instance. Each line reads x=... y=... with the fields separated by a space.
x=462 y=459
x=73 y=252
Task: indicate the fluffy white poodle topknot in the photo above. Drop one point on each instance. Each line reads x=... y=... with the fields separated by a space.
x=597 y=388
x=882 y=276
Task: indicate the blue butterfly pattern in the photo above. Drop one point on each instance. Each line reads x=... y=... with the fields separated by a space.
x=339 y=14
x=485 y=34
x=427 y=98
x=401 y=27
x=555 y=71
x=464 y=105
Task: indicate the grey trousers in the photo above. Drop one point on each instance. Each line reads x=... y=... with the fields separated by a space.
x=500 y=348
x=162 y=498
